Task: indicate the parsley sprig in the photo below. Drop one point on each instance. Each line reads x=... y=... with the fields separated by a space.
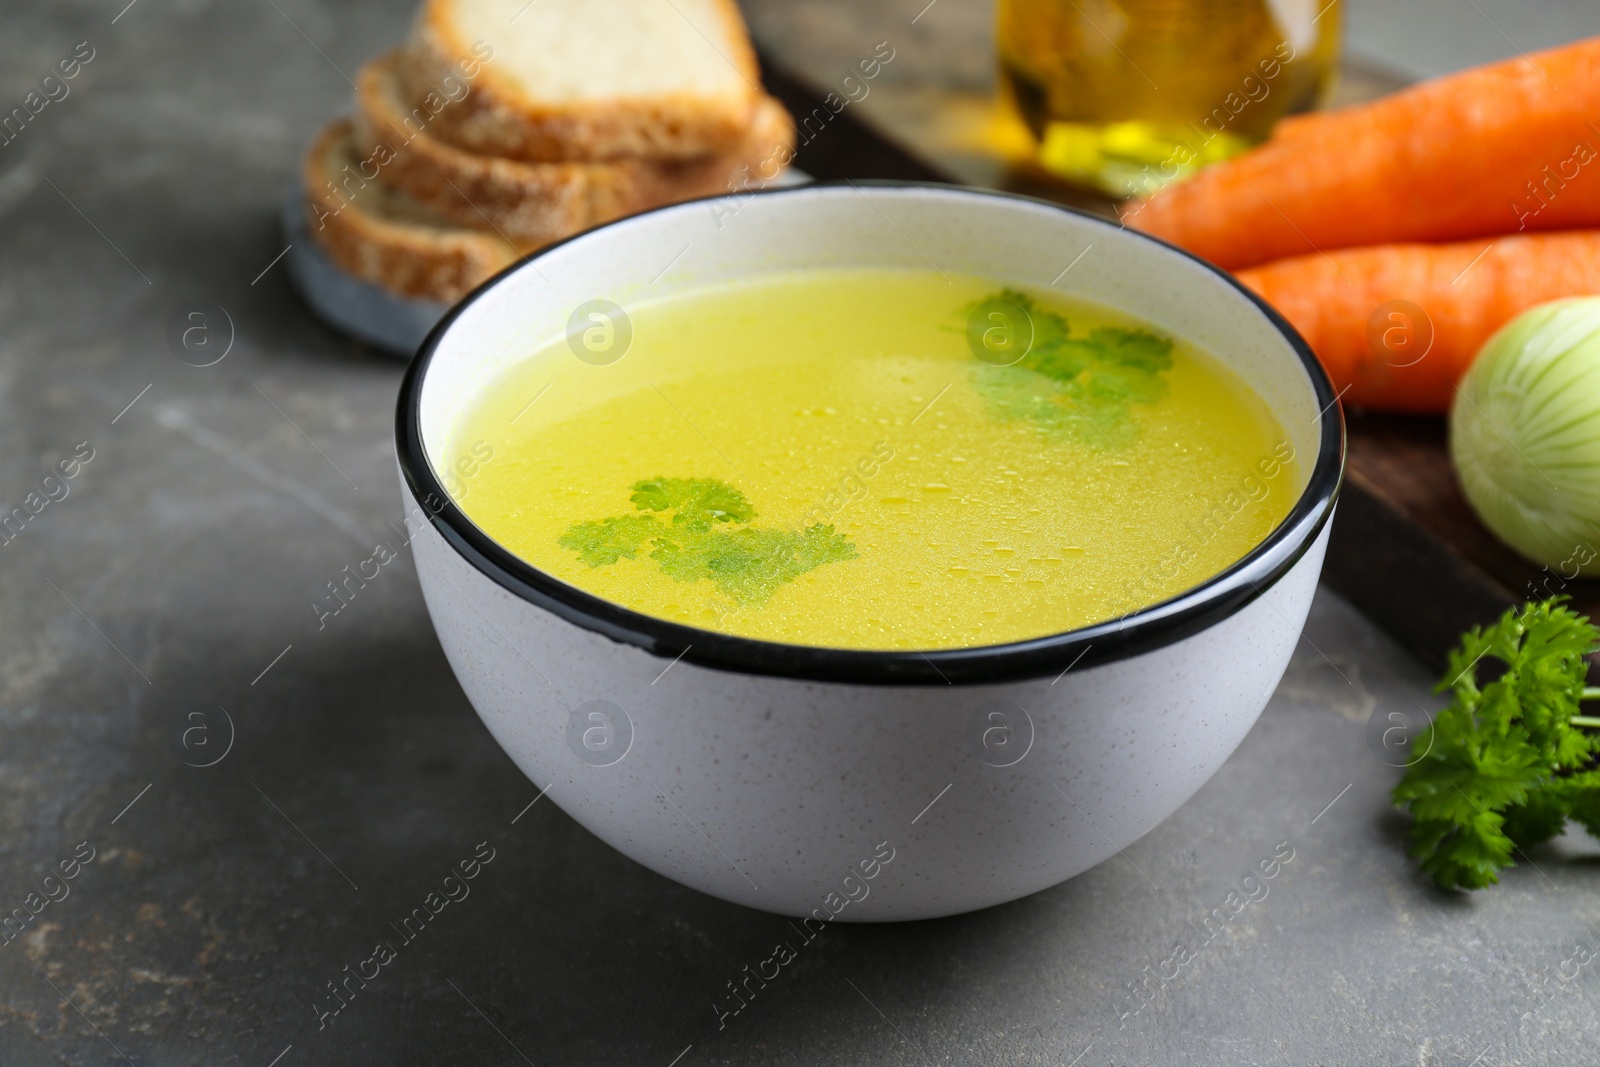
x=708 y=539
x=1508 y=762
x=1083 y=385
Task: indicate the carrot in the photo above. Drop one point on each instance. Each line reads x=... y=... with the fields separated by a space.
x=1399 y=324
x=1499 y=149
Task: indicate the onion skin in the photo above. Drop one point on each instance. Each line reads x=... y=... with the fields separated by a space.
x=1525 y=435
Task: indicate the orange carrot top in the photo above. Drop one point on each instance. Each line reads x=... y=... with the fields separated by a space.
x=1500 y=149
x=1398 y=325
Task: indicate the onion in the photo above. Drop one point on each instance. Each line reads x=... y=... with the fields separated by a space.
x=1525 y=434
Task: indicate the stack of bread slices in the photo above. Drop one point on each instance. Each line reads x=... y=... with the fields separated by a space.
x=504 y=125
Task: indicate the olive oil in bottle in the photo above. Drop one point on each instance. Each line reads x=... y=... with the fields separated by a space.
x=1129 y=95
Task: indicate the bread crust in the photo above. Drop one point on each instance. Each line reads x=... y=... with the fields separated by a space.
x=542 y=202
x=411 y=253
x=495 y=119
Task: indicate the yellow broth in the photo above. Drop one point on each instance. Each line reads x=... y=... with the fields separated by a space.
x=841 y=458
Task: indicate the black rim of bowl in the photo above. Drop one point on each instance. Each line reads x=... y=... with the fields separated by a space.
x=1138 y=632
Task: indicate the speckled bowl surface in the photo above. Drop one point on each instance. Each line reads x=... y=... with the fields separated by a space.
x=852 y=785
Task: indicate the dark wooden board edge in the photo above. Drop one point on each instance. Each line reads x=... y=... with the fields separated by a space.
x=839 y=145
x=1403 y=578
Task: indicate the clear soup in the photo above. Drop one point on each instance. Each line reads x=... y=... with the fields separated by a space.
x=874 y=459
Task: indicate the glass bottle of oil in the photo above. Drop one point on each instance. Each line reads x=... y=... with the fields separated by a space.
x=1129 y=95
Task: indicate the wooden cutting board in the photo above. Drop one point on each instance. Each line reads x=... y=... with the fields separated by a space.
x=1406 y=548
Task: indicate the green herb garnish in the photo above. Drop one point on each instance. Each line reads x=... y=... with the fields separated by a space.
x=707 y=539
x=1505 y=765
x=695 y=502
x=602 y=542
x=1084 y=386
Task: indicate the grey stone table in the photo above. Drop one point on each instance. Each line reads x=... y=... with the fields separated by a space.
x=248 y=801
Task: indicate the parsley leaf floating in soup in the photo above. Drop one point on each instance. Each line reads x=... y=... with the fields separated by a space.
x=1082 y=386
x=695 y=502
x=748 y=564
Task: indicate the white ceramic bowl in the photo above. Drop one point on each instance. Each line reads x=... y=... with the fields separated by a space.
x=859 y=785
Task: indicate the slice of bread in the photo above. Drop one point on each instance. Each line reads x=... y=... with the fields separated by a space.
x=542 y=202
x=384 y=236
x=552 y=80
